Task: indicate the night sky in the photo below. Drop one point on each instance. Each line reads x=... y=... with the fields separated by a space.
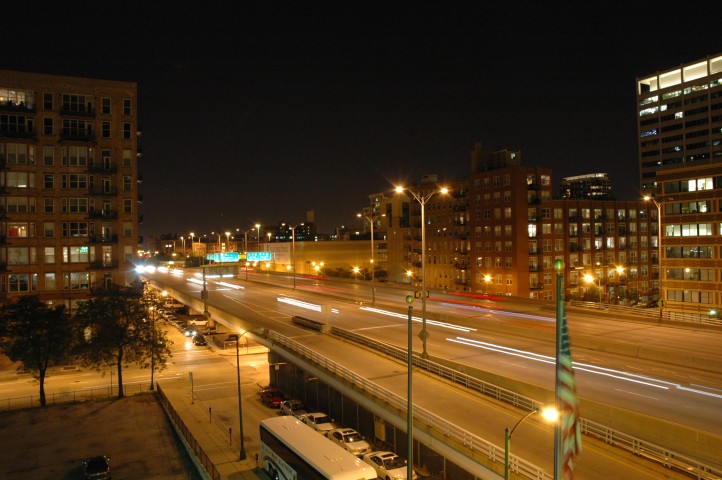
x=260 y=111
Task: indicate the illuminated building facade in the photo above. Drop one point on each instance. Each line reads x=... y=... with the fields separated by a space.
x=68 y=185
x=679 y=118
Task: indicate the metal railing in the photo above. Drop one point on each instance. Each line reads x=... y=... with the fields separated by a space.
x=429 y=419
x=664 y=456
x=188 y=437
x=652 y=312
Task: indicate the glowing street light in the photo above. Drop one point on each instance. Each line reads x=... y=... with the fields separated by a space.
x=293 y=250
x=592 y=279
x=372 y=219
x=422 y=200
x=238 y=374
x=258 y=236
x=550 y=414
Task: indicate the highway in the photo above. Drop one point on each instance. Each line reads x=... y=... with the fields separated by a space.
x=463 y=333
x=259 y=304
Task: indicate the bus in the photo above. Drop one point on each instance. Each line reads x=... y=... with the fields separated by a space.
x=291 y=450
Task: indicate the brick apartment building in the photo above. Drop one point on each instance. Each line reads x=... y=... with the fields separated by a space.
x=68 y=185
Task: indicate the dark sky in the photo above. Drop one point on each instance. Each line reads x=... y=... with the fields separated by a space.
x=259 y=111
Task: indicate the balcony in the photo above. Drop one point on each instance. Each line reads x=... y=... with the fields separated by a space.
x=74 y=135
x=85 y=112
x=103 y=265
x=103 y=239
x=10 y=106
x=20 y=133
x=95 y=168
x=103 y=191
x=535 y=268
x=536 y=286
x=103 y=214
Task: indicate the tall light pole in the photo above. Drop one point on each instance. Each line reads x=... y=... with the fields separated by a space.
x=153 y=309
x=183 y=242
x=409 y=389
x=507 y=440
x=192 y=235
x=228 y=241
x=661 y=299
x=240 y=404
x=293 y=251
x=372 y=219
x=258 y=236
x=422 y=199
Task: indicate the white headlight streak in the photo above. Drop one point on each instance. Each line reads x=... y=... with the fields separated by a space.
x=417 y=319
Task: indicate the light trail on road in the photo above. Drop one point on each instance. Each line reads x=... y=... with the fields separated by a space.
x=419 y=320
x=584 y=367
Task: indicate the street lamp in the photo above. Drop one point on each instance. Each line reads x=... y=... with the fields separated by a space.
x=192 y=235
x=657 y=204
x=549 y=414
x=258 y=236
x=409 y=391
x=240 y=405
x=183 y=241
x=228 y=241
x=293 y=250
x=591 y=279
x=153 y=309
x=372 y=219
x=422 y=199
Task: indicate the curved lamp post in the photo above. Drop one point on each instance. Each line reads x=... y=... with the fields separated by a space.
x=423 y=199
x=293 y=250
x=372 y=219
x=258 y=236
x=242 y=455
x=549 y=414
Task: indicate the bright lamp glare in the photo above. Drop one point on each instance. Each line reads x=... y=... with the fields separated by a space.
x=550 y=414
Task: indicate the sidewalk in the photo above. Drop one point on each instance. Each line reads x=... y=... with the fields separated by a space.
x=212 y=449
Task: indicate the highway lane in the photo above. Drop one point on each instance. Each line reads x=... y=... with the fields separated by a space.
x=676 y=394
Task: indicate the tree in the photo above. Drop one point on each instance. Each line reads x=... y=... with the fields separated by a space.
x=115 y=329
x=37 y=335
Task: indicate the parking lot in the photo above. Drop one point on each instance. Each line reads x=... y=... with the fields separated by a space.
x=50 y=443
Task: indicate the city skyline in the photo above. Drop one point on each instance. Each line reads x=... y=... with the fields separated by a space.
x=258 y=115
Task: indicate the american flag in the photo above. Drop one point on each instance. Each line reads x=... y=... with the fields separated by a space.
x=568 y=405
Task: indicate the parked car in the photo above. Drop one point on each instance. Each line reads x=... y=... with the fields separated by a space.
x=96 y=468
x=272 y=397
x=351 y=440
x=388 y=465
x=293 y=407
x=199 y=340
x=320 y=422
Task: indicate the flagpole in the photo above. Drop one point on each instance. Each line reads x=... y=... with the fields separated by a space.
x=558 y=266
x=567 y=431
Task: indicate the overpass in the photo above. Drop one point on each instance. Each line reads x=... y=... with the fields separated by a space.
x=461 y=445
